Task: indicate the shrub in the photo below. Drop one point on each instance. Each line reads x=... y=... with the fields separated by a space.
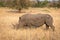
x=2 y=4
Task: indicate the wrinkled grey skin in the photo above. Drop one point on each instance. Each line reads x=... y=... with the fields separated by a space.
x=36 y=20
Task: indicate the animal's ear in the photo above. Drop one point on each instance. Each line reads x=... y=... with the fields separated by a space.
x=19 y=17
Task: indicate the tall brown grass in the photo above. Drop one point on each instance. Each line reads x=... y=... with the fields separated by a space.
x=8 y=33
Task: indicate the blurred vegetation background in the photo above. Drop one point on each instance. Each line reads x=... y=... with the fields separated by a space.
x=21 y=4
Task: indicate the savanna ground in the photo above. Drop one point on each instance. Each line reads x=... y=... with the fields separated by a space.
x=11 y=16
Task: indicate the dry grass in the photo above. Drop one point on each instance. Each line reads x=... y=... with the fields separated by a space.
x=10 y=16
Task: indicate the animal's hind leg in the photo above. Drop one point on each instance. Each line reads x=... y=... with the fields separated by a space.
x=52 y=26
x=47 y=26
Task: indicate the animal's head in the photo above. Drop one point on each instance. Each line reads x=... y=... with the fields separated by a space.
x=15 y=26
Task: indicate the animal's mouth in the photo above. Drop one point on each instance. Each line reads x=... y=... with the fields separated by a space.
x=15 y=26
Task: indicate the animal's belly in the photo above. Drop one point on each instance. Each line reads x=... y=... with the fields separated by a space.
x=37 y=23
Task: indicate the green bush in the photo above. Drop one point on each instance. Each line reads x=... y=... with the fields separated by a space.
x=18 y=4
x=41 y=4
x=2 y=4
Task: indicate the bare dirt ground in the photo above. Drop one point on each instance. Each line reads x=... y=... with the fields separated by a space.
x=11 y=16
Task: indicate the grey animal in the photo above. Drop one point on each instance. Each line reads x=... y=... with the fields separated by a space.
x=36 y=20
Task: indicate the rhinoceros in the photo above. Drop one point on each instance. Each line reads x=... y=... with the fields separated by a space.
x=36 y=20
